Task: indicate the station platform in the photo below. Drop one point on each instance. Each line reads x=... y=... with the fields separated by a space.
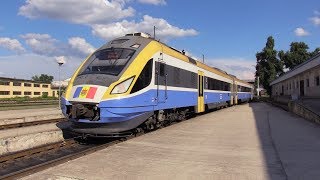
x=250 y=141
x=29 y=115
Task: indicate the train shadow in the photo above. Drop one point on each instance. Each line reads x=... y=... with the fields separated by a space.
x=272 y=161
x=290 y=144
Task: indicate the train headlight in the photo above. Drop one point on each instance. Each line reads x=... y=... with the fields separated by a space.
x=122 y=87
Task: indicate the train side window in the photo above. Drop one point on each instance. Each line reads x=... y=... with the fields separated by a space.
x=162 y=71
x=144 y=78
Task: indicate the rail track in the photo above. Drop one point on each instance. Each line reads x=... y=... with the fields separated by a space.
x=26 y=162
x=33 y=123
x=23 y=163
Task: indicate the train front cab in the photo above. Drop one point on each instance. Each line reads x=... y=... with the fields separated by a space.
x=118 y=112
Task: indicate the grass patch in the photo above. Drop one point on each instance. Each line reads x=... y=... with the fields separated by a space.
x=27 y=98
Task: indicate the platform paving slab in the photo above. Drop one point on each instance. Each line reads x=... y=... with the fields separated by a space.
x=250 y=141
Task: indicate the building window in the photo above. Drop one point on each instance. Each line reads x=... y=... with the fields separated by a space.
x=5 y=83
x=27 y=93
x=16 y=83
x=36 y=93
x=4 y=92
x=308 y=83
x=45 y=86
x=317 y=79
x=27 y=84
x=16 y=92
x=45 y=93
x=36 y=85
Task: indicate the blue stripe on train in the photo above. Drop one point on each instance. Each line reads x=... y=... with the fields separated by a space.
x=244 y=96
x=124 y=109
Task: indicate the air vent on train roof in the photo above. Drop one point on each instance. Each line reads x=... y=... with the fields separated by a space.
x=145 y=35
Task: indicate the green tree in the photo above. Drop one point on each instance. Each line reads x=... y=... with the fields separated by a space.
x=42 y=78
x=297 y=54
x=315 y=52
x=268 y=65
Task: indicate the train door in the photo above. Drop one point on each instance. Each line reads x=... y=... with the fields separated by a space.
x=161 y=82
x=200 y=107
x=231 y=93
x=235 y=88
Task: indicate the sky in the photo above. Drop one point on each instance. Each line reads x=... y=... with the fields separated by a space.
x=34 y=34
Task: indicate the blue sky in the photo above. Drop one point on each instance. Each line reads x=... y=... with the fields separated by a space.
x=34 y=33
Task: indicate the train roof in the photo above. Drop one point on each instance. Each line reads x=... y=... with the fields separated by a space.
x=144 y=39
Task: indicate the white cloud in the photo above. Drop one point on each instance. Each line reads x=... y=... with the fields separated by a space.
x=164 y=29
x=11 y=44
x=80 y=45
x=301 y=32
x=153 y=2
x=75 y=11
x=243 y=69
x=103 y=16
x=34 y=64
x=315 y=20
x=42 y=44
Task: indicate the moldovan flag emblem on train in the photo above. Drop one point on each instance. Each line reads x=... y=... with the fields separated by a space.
x=85 y=92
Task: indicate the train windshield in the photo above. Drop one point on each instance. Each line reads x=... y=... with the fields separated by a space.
x=107 y=61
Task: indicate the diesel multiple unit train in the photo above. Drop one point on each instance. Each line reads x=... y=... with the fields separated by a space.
x=136 y=83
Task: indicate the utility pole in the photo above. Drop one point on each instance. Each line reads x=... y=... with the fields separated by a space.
x=203 y=58
x=60 y=62
x=154 y=32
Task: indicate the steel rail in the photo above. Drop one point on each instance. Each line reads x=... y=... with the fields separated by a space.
x=74 y=150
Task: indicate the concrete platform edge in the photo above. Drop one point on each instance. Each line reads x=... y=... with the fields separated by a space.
x=304 y=112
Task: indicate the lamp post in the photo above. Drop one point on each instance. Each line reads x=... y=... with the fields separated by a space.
x=60 y=61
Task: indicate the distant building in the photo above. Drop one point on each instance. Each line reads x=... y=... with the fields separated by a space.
x=64 y=83
x=11 y=87
x=303 y=80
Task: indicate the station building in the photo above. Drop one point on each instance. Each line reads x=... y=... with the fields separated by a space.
x=10 y=87
x=302 y=81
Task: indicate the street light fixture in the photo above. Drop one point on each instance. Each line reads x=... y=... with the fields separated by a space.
x=60 y=60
